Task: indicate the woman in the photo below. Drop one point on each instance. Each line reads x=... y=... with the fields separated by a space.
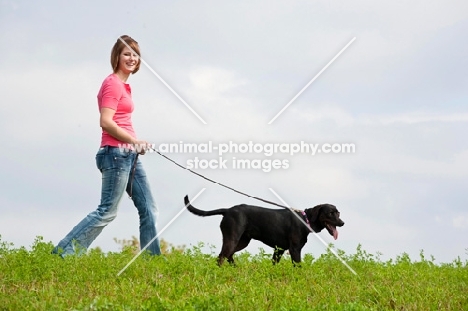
x=120 y=167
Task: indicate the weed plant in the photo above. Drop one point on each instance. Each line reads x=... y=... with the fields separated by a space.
x=35 y=279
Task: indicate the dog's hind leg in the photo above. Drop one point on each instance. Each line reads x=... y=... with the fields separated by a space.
x=227 y=250
x=277 y=255
x=230 y=246
x=243 y=242
x=232 y=230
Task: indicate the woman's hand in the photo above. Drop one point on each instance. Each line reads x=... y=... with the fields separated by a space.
x=141 y=146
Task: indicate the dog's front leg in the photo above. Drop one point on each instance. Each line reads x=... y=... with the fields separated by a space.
x=221 y=260
x=295 y=253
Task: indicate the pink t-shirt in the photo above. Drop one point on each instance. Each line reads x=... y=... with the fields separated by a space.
x=116 y=95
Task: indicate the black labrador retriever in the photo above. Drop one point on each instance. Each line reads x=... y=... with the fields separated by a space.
x=277 y=228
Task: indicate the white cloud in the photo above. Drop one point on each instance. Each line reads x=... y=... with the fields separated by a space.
x=415 y=118
x=326 y=112
x=343 y=117
x=213 y=82
x=460 y=221
x=49 y=101
x=237 y=65
x=412 y=165
x=336 y=183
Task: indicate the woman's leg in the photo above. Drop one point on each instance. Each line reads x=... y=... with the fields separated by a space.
x=114 y=165
x=147 y=210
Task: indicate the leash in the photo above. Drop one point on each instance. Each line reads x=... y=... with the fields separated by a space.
x=306 y=222
x=206 y=178
x=132 y=175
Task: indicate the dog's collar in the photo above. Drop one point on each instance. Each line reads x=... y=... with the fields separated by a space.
x=305 y=216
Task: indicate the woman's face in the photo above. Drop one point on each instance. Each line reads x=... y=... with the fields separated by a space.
x=127 y=61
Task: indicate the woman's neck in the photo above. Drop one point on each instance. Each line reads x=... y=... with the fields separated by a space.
x=122 y=76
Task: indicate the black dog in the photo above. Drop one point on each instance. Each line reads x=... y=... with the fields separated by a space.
x=280 y=229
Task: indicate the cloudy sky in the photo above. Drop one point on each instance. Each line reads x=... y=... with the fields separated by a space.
x=398 y=93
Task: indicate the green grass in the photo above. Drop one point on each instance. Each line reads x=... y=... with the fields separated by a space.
x=36 y=280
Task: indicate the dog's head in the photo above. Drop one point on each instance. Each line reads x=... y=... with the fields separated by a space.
x=325 y=216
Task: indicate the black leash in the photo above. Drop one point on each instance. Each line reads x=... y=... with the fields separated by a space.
x=215 y=182
x=132 y=175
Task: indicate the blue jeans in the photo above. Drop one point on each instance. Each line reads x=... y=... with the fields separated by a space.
x=115 y=165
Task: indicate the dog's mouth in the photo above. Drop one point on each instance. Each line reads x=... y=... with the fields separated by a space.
x=332 y=230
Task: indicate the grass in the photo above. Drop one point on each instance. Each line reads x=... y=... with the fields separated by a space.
x=190 y=280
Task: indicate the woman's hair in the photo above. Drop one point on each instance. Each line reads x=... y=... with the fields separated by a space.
x=118 y=48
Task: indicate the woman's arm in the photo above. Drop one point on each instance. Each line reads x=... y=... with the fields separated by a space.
x=108 y=124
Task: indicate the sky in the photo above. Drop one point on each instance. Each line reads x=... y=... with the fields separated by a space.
x=398 y=93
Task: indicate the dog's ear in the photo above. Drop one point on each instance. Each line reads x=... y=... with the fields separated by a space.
x=314 y=212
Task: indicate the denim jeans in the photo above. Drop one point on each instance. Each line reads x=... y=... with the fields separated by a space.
x=115 y=165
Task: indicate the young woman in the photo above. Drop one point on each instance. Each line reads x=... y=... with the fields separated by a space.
x=120 y=167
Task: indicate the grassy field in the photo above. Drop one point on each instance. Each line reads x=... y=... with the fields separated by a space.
x=33 y=279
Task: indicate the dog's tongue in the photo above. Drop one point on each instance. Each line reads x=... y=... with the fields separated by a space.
x=335 y=232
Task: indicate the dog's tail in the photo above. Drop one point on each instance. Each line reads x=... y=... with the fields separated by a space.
x=199 y=212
